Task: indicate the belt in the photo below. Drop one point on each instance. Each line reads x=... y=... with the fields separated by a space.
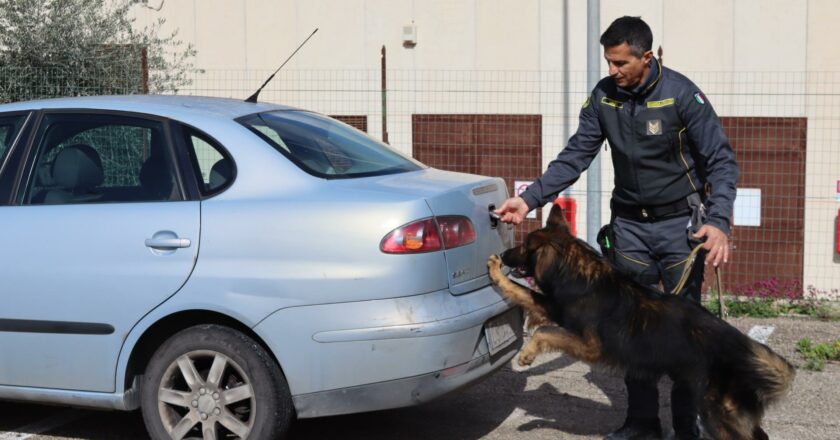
x=649 y=213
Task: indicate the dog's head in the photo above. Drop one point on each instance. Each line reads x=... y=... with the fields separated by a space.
x=541 y=248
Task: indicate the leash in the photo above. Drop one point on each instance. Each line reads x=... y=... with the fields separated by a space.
x=689 y=263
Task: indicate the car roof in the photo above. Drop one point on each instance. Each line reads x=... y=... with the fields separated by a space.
x=164 y=105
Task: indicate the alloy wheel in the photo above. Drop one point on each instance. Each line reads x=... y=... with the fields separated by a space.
x=205 y=394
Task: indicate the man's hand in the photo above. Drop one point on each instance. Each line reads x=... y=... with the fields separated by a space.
x=513 y=210
x=716 y=244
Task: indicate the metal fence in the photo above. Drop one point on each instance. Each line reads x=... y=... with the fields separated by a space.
x=97 y=77
x=784 y=128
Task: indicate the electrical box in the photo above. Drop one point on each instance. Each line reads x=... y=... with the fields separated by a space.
x=409 y=34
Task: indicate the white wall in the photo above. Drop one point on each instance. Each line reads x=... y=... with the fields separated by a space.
x=712 y=36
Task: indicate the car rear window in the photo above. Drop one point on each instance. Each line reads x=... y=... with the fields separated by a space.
x=325 y=147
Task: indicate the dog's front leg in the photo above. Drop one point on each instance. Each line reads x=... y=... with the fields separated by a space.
x=511 y=290
x=586 y=348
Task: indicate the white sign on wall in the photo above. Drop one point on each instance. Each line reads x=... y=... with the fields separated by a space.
x=747 y=209
x=518 y=188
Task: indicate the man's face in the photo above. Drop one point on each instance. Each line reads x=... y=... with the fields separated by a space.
x=627 y=69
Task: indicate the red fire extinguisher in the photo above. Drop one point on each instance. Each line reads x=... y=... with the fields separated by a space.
x=569 y=206
x=837 y=234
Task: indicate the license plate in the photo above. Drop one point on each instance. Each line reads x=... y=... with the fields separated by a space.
x=500 y=331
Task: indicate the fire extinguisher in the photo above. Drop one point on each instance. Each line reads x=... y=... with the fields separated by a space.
x=569 y=206
x=837 y=234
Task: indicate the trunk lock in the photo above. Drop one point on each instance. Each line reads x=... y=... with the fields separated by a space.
x=494 y=218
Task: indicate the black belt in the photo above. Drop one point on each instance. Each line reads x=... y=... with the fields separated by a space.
x=650 y=213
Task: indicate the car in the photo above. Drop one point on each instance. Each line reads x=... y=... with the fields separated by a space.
x=229 y=266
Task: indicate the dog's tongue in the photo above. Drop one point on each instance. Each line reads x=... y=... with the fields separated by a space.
x=532 y=283
x=528 y=282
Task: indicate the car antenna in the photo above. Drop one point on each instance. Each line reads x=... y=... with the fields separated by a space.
x=253 y=98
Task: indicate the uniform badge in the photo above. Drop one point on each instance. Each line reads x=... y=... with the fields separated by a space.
x=699 y=98
x=654 y=127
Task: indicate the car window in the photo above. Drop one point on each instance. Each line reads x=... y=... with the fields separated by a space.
x=99 y=158
x=325 y=147
x=213 y=166
x=9 y=128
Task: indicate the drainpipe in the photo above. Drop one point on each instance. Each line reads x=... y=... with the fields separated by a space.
x=384 y=101
x=593 y=175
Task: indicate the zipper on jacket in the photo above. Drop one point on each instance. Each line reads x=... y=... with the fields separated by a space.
x=634 y=151
x=685 y=164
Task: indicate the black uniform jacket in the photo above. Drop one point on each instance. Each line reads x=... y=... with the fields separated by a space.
x=666 y=143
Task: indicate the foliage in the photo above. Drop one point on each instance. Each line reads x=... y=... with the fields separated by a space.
x=815 y=292
x=771 y=308
x=771 y=288
x=816 y=355
x=82 y=47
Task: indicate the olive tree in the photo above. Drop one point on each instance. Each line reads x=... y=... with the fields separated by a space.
x=54 y=48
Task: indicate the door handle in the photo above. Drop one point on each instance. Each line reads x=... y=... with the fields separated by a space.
x=167 y=243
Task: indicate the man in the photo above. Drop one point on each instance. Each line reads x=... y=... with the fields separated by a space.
x=675 y=176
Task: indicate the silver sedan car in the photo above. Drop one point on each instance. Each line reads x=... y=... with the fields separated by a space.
x=228 y=266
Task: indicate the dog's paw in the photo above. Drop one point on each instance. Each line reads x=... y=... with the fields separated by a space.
x=525 y=359
x=494 y=263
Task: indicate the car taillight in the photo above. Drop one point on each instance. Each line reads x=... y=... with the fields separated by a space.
x=420 y=236
x=456 y=231
x=425 y=235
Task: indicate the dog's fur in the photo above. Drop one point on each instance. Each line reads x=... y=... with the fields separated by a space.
x=603 y=317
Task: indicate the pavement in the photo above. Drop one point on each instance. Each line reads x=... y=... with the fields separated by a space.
x=560 y=398
x=556 y=398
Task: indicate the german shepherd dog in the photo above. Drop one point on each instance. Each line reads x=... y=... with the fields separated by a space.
x=604 y=317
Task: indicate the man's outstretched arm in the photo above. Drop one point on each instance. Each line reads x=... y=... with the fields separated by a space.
x=564 y=170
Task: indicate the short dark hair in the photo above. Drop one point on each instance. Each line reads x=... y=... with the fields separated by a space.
x=631 y=30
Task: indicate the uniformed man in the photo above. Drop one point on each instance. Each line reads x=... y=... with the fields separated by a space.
x=675 y=176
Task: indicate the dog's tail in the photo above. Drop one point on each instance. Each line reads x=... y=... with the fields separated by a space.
x=771 y=374
x=753 y=378
x=758 y=377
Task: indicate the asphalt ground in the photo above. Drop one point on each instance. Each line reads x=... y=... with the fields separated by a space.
x=556 y=398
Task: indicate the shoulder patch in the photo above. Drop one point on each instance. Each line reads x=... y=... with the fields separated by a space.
x=612 y=102
x=586 y=103
x=659 y=104
x=699 y=98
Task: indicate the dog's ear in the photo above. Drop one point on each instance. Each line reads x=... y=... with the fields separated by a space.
x=545 y=262
x=556 y=218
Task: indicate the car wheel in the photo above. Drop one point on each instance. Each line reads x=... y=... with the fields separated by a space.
x=212 y=382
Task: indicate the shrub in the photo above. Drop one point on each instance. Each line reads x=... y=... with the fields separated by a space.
x=52 y=48
x=816 y=355
x=772 y=287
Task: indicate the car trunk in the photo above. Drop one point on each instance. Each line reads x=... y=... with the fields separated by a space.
x=448 y=193
x=468 y=264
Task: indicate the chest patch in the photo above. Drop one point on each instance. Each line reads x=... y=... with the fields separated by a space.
x=654 y=127
x=611 y=102
x=659 y=104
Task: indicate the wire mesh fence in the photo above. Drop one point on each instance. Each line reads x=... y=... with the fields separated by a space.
x=783 y=126
x=120 y=70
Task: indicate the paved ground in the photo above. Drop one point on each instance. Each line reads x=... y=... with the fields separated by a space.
x=557 y=398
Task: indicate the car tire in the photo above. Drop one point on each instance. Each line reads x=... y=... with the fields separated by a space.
x=213 y=382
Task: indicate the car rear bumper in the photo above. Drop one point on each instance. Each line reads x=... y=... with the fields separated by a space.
x=372 y=355
x=401 y=392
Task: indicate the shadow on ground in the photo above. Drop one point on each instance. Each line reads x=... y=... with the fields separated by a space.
x=555 y=406
x=479 y=410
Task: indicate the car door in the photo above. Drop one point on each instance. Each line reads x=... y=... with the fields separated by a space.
x=98 y=233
